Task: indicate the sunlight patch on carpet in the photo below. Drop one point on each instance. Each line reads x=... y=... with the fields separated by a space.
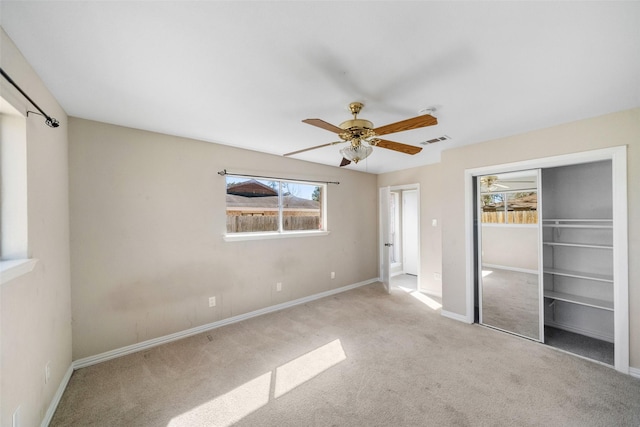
x=231 y=407
x=306 y=367
x=429 y=302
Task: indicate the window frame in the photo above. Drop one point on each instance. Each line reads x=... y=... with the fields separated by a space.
x=281 y=232
x=14 y=246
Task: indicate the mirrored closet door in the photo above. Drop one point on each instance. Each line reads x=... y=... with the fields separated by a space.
x=509 y=254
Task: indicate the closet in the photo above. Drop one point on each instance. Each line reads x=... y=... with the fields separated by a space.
x=577 y=227
x=554 y=274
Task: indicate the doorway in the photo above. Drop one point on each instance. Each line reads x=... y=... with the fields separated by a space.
x=410 y=237
x=400 y=236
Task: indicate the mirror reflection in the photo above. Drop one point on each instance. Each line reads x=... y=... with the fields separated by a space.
x=508 y=211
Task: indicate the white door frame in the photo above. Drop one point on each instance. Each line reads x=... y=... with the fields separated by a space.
x=618 y=157
x=383 y=237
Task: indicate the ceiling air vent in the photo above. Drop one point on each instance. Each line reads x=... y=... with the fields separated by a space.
x=431 y=141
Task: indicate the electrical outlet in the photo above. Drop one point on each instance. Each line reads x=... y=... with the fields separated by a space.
x=437 y=276
x=278 y=286
x=333 y=274
x=212 y=301
x=47 y=372
x=434 y=222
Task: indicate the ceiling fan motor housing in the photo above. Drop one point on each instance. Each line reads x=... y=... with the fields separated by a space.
x=356 y=125
x=356 y=128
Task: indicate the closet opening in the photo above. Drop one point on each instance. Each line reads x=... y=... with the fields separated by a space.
x=558 y=274
x=578 y=259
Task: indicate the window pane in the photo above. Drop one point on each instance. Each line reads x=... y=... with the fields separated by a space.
x=493 y=208
x=13 y=176
x=522 y=208
x=252 y=205
x=301 y=206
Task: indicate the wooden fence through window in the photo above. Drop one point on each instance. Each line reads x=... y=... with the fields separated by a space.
x=514 y=217
x=249 y=224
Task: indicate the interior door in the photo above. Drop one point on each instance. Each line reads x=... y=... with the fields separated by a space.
x=385 y=239
x=509 y=239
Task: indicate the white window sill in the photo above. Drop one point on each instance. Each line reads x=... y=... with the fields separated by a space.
x=238 y=237
x=13 y=268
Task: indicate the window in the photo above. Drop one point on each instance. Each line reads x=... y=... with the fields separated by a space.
x=519 y=207
x=271 y=206
x=13 y=198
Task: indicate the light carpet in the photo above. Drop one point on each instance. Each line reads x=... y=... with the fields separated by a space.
x=360 y=358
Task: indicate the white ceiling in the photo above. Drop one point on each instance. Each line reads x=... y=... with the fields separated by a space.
x=246 y=73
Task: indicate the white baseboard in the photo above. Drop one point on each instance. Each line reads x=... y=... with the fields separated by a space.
x=56 y=397
x=123 y=351
x=455 y=316
x=634 y=372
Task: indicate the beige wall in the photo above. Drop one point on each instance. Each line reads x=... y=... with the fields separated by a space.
x=431 y=189
x=617 y=129
x=147 y=219
x=35 y=308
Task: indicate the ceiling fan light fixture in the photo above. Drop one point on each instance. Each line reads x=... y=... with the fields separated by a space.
x=362 y=136
x=355 y=153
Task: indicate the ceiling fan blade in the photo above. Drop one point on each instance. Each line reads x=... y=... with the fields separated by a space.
x=308 y=149
x=408 y=124
x=323 y=125
x=396 y=146
x=345 y=162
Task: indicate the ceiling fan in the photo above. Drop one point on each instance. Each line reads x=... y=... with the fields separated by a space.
x=362 y=136
x=492 y=183
x=489 y=183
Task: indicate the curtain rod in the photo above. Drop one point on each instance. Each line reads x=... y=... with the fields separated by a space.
x=224 y=172
x=51 y=122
